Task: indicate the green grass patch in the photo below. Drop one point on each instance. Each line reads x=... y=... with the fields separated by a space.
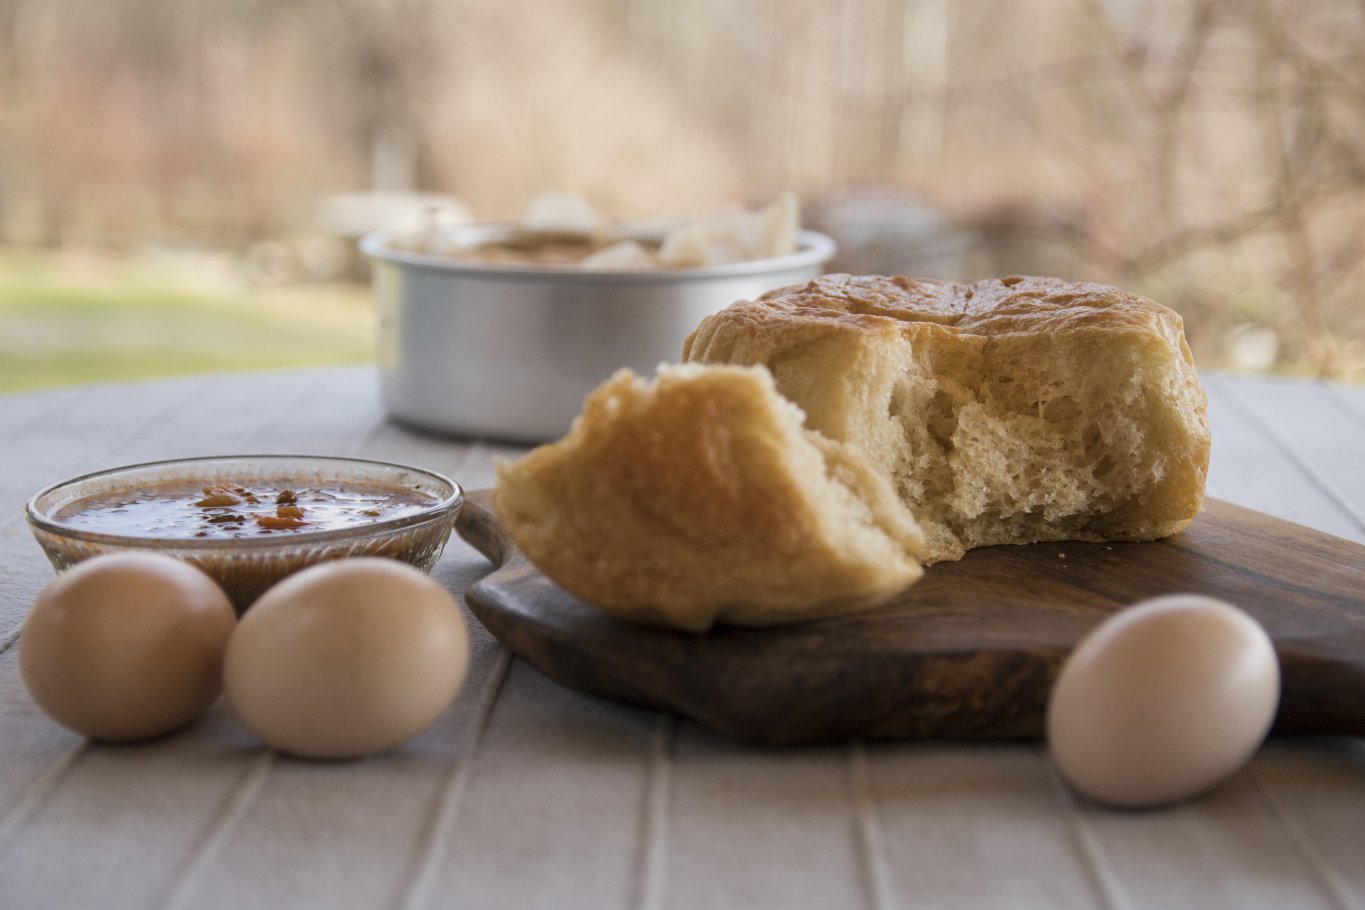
x=63 y=323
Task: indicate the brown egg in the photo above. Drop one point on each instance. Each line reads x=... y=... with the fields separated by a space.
x=346 y=659
x=126 y=646
x=1163 y=701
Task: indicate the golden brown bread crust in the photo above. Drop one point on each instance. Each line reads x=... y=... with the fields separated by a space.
x=1008 y=411
x=699 y=498
x=998 y=306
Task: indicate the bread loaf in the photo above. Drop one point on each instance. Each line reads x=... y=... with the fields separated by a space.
x=700 y=498
x=1008 y=411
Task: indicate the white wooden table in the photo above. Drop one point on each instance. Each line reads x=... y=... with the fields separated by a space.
x=526 y=794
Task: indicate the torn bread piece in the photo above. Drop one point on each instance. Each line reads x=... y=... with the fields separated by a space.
x=1010 y=411
x=700 y=498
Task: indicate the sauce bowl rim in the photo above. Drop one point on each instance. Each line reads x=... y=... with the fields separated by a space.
x=40 y=518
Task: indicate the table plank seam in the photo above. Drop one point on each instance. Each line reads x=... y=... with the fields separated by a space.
x=1353 y=408
x=33 y=796
x=376 y=430
x=235 y=807
x=56 y=405
x=1097 y=866
x=1337 y=498
x=1212 y=395
x=873 y=865
x=1327 y=878
x=421 y=880
x=652 y=856
x=1346 y=404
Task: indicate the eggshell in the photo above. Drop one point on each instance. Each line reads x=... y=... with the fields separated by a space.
x=126 y=646
x=1162 y=701
x=347 y=658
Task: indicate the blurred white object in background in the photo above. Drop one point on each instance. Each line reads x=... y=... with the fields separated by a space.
x=1253 y=347
x=416 y=221
x=356 y=214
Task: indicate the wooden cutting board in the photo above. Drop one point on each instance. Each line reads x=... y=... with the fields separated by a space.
x=970 y=652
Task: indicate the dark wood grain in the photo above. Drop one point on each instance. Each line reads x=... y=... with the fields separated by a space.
x=968 y=653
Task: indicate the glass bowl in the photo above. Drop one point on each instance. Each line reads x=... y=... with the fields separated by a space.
x=246 y=566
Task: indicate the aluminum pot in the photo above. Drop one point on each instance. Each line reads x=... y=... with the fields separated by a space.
x=508 y=352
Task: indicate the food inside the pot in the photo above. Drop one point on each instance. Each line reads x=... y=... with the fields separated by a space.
x=561 y=230
x=550 y=248
x=186 y=510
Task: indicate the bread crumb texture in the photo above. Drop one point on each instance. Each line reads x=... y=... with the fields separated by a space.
x=1014 y=410
x=701 y=497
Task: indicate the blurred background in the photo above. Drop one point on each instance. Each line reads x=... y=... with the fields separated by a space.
x=182 y=181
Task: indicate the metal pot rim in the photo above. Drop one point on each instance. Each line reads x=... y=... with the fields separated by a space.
x=813 y=248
